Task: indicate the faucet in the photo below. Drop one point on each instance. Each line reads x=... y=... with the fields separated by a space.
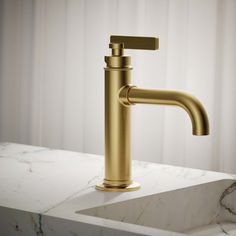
x=120 y=95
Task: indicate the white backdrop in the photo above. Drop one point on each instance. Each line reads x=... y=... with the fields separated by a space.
x=51 y=75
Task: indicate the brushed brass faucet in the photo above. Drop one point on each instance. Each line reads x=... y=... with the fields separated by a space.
x=120 y=95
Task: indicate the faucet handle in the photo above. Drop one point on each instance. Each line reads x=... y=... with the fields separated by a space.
x=131 y=42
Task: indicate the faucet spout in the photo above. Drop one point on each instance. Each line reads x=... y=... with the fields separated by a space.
x=200 y=125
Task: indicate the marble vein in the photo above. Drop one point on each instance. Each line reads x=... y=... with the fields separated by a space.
x=66 y=199
x=222 y=229
x=143 y=210
x=227 y=192
x=37 y=224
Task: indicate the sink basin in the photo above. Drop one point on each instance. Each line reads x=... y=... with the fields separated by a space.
x=205 y=209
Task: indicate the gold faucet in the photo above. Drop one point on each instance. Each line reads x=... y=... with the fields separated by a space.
x=120 y=95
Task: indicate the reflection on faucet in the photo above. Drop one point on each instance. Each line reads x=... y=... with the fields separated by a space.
x=120 y=95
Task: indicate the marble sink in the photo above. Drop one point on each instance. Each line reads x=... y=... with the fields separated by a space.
x=48 y=192
x=197 y=210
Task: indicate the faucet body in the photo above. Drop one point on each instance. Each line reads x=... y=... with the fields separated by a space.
x=120 y=95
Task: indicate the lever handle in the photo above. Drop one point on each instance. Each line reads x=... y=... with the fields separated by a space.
x=131 y=42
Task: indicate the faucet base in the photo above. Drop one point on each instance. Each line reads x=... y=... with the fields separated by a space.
x=108 y=188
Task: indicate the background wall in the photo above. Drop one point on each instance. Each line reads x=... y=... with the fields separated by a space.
x=51 y=75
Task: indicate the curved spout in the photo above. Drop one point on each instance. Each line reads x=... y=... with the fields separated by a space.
x=197 y=113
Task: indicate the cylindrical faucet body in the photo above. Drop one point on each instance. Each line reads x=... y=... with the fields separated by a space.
x=117 y=125
x=117 y=129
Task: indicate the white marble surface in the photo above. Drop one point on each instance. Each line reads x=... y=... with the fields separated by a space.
x=42 y=189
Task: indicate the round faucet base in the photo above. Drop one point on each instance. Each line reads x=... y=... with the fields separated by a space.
x=132 y=187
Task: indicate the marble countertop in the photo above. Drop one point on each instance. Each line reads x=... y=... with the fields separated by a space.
x=47 y=187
